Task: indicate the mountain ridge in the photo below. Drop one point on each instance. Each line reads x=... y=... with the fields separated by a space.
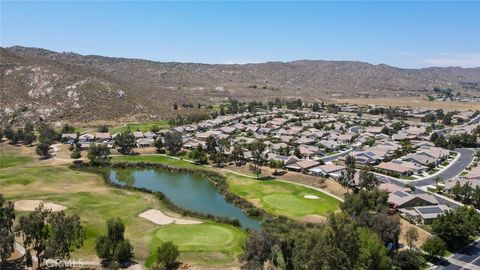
x=71 y=86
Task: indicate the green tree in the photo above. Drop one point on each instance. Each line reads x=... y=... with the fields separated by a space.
x=373 y=254
x=126 y=142
x=34 y=231
x=7 y=236
x=257 y=249
x=173 y=142
x=28 y=134
x=8 y=132
x=67 y=129
x=123 y=251
x=167 y=254
x=154 y=128
x=113 y=245
x=42 y=149
x=368 y=180
x=276 y=165
x=158 y=143
x=98 y=153
x=457 y=227
x=45 y=138
x=365 y=201
x=211 y=144
x=411 y=236
x=257 y=149
x=237 y=155
x=435 y=247
x=218 y=159
x=102 y=128
x=408 y=260
x=65 y=235
x=347 y=177
x=257 y=170
x=198 y=155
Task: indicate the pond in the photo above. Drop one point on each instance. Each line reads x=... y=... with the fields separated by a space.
x=184 y=190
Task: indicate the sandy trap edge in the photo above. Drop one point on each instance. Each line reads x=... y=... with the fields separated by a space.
x=160 y=218
x=311 y=197
x=30 y=205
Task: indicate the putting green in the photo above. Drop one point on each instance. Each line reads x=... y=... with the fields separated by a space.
x=292 y=203
x=197 y=237
x=281 y=198
x=209 y=243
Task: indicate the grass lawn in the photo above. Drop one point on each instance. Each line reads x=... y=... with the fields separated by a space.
x=280 y=198
x=8 y=157
x=156 y=159
x=142 y=126
x=86 y=195
x=208 y=243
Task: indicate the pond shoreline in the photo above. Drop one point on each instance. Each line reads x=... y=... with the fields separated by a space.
x=218 y=181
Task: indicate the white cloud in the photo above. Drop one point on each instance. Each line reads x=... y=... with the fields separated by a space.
x=466 y=60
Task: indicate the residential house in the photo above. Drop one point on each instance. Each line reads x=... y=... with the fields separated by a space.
x=86 y=138
x=424 y=214
x=327 y=170
x=150 y=135
x=401 y=167
x=302 y=165
x=400 y=199
x=69 y=137
x=308 y=150
x=144 y=142
x=138 y=135
x=103 y=137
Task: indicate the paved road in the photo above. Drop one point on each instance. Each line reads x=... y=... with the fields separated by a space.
x=452 y=171
x=466 y=157
x=334 y=157
x=467 y=258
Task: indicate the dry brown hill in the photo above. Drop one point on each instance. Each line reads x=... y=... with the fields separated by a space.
x=36 y=82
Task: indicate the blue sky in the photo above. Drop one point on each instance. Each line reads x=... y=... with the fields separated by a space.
x=404 y=34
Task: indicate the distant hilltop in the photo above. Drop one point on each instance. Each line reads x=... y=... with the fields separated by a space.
x=71 y=86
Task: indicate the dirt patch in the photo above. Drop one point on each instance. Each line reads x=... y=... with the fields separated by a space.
x=423 y=235
x=311 y=197
x=160 y=218
x=414 y=102
x=314 y=219
x=30 y=205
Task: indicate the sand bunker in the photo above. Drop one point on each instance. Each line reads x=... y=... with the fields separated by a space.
x=30 y=205
x=160 y=218
x=312 y=197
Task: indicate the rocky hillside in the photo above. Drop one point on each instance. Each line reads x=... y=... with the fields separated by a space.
x=41 y=83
